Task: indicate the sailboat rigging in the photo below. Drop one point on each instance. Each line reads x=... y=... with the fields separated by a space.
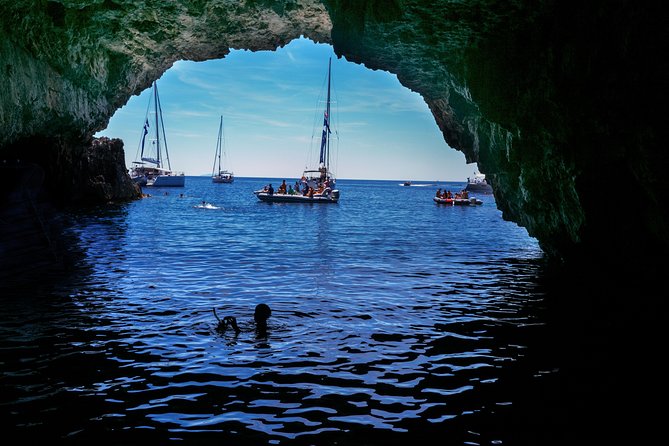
x=219 y=175
x=150 y=169
x=315 y=185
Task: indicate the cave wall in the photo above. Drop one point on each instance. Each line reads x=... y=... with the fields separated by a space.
x=557 y=103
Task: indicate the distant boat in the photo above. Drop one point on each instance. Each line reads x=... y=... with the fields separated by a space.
x=150 y=170
x=478 y=183
x=412 y=184
x=219 y=175
x=318 y=185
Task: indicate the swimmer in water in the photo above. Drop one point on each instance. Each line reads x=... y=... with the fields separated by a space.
x=260 y=316
x=228 y=321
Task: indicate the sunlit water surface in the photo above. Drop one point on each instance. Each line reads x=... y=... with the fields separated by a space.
x=393 y=319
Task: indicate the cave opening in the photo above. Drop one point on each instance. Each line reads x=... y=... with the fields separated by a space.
x=572 y=81
x=270 y=103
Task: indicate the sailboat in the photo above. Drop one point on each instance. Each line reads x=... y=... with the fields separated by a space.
x=150 y=170
x=220 y=176
x=317 y=185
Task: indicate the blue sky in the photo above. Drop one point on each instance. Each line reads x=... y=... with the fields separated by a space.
x=272 y=105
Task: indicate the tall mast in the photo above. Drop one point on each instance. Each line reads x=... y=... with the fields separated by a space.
x=155 y=105
x=325 y=141
x=220 y=145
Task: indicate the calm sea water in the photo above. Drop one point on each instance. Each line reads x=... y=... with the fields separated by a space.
x=394 y=319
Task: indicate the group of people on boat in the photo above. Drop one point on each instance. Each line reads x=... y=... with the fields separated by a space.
x=447 y=194
x=302 y=187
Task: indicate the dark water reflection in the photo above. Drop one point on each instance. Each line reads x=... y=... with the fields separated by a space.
x=431 y=329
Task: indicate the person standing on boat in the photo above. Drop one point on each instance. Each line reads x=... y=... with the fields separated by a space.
x=326 y=189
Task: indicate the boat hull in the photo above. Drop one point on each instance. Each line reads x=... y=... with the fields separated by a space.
x=167 y=181
x=221 y=180
x=286 y=198
x=141 y=180
x=482 y=188
x=458 y=201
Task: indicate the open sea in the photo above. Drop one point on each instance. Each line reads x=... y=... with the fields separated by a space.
x=394 y=320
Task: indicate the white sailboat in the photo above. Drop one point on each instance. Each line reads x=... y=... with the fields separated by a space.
x=151 y=170
x=317 y=185
x=220 y=175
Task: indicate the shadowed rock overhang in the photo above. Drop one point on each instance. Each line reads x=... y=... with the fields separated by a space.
x=557 y=103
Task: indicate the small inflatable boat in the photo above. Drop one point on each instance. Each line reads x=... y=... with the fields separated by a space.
x=473 y=201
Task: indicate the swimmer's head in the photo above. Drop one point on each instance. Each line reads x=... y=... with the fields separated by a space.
x=262 y=313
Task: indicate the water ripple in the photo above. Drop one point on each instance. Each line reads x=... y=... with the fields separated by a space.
x=386 y=320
